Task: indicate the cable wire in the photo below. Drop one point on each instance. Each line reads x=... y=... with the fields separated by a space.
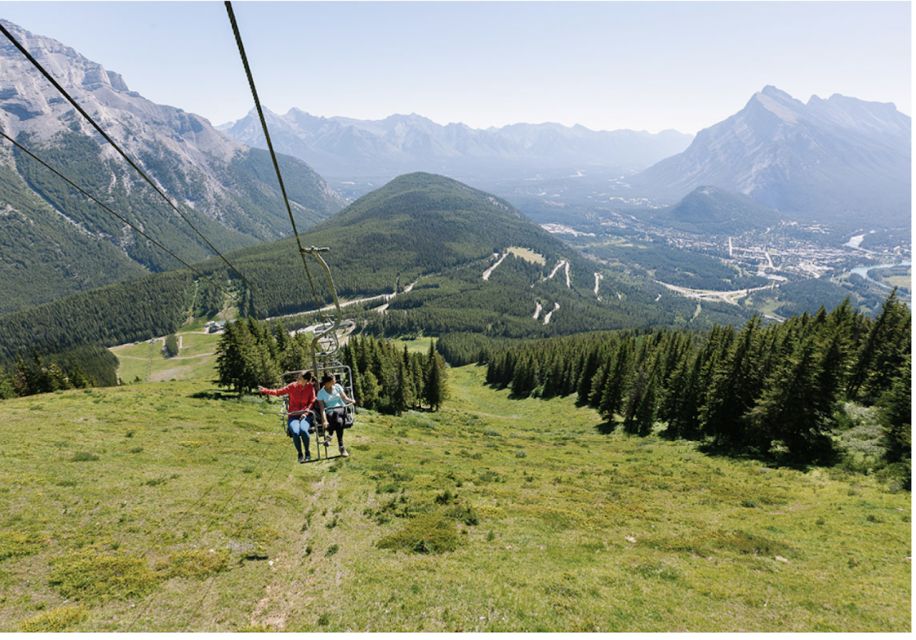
x=88 y=195
x=150 y=181
x=273 y=155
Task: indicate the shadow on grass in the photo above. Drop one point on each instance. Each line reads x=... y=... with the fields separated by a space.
x=214 y=394
x=828 y=458
x=607 y=427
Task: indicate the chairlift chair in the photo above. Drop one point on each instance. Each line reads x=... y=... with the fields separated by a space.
x=344 y=376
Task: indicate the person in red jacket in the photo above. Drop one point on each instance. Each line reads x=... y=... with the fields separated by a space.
x=301 y=398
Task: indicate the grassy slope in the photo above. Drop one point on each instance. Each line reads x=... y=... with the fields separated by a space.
x=295 y=546
x=145 y=361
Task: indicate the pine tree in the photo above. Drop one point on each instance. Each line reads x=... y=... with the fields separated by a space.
x=884 y=349
x=236 y=358
x=586 y=375
x=640 y=406
x=523 y=380
x=407 y=391
x=351 y=360
x=731 y=392
x=170 y=349
x=435 y=390
x=7 y=388
x=616 y=382
x=895 y=406
x=682 y=398
x=281 y=336
x=786 y=412
x=371 y=391
x=416 y=372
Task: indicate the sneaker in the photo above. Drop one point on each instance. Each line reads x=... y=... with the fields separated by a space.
x=308 y=457
x=301 y=459
x=327 y=441
x=343 y=453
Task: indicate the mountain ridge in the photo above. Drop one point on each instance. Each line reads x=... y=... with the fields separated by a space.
x=828 y=160
x=225 y=188
x=403 y=143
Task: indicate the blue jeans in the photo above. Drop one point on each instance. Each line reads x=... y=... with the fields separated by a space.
x=298 y=428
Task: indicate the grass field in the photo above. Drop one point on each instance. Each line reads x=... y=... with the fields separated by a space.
x=901 y=281
x=158 y=507
x=144 y=361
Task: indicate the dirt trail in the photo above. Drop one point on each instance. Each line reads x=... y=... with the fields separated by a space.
x=293 y=587
x=489 y=271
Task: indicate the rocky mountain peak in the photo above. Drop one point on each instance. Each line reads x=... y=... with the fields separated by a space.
x=778 y=103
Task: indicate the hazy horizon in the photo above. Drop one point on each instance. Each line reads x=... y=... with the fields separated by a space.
x=643 y=66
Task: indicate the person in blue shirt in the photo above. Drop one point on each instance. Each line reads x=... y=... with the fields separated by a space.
x=333 y=401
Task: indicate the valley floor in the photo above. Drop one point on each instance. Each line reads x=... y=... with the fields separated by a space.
x=153 y=507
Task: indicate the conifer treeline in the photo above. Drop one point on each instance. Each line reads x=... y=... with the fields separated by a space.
x=767 y=390
x=386 y=379
x=83 y=367
x=392 y=380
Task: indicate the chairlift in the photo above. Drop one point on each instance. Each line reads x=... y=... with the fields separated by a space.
x=344 y=377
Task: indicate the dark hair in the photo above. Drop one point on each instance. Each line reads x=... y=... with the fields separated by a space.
x=307 y=375
x=326 y=378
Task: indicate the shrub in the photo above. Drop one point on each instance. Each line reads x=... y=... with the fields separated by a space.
x=431 y=532
x=193 y=563
x=14 y=544
x=92 y=576
x=59 y=619
x=83 y=456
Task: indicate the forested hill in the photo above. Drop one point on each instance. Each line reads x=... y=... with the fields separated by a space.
x=443 y=237
x=474 y=263
x=416 y=224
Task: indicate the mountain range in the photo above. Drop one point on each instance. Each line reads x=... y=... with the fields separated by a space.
x=346 y=148
x=59 y=242
x=835 y=160
x=839 y=159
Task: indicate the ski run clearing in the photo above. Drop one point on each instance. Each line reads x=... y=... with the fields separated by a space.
x=537 y=311
x=598 y=279
x=492 y=268
x=564 y=264
x=520 y=252
x=556 y=306
x=527 y=255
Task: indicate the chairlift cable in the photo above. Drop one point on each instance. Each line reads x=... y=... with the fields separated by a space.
x=98 y=128
x=88 y=195
x=270 y=148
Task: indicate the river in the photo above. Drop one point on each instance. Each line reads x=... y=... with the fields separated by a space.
x=864 y=270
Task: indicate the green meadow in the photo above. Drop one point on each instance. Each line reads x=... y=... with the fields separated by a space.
x=164 y=507
x=145 y=362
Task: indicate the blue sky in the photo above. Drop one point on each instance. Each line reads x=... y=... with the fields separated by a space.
x=639 y=65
